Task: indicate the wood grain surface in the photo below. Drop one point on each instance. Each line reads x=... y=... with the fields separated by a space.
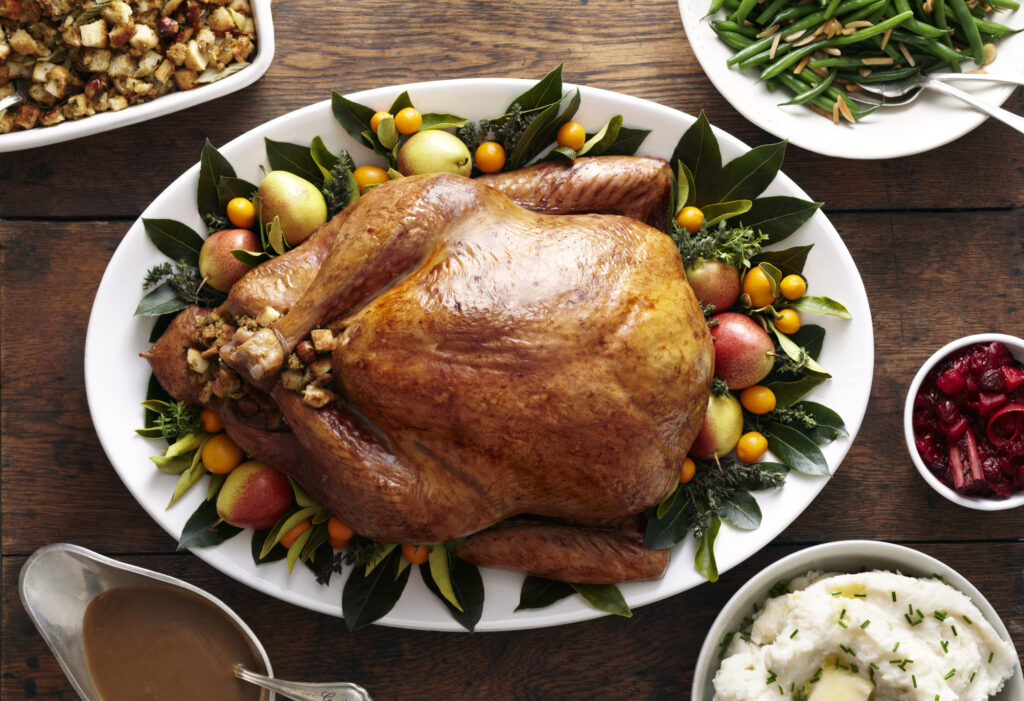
x=936 y=237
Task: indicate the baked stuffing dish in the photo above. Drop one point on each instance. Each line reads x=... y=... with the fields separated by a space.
x=79 y=57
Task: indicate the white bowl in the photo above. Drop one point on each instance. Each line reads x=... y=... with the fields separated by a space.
x=1016 y=348
x=841 y=556
x=105 y=121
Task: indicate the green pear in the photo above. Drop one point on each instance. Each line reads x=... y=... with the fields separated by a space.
x=434 y=151
x=254 y=495
x=296 y=202
x=722 y=428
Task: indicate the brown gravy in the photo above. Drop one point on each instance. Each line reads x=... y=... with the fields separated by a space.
x=155 y=643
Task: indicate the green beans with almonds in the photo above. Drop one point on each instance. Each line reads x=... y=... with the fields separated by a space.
x=782 y=37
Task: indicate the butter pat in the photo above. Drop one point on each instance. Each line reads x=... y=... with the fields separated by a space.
x=840 y=685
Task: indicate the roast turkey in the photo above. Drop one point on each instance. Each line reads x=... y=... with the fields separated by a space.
x=520 y=349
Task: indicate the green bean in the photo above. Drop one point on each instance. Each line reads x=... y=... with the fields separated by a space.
x=814 y=91
x=1008 y=4
x=993 y=28
x=740 y=15
x=966 y=21
x=794 y=13
x=939 y=13
x=830 y=11
x=794 y=56
x=733 y=40
x=874 y=29
x=935 y=48
x=716 y=5
x=769 y=11
x=886 y=76
x=725 y=25
x=765 y=56
x=919 y=27
x=841 y=62
x=872 y=12
x=796 y=85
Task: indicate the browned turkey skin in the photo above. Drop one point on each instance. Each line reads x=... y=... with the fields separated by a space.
x=497 y=355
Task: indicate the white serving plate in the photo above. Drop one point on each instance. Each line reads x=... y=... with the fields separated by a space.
x=173 y=102
x=116 y=378
x=931 y=121
x=841 y=556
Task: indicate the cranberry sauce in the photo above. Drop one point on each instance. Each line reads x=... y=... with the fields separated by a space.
x=968 y=421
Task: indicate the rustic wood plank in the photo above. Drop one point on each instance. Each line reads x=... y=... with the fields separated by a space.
x=651 y=655
x=373 y=43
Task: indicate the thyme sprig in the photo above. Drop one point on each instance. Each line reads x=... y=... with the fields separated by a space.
x=715 y=485
x=793 y=416
x=179 y=420
x=506 y=130
x=736 y=245
x=185 y=281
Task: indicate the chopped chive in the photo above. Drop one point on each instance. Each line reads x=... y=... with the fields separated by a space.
x=939 y=615
x=781 y=692
x=771 y=678
x=843 y=624
x=939 y=577
x=873 y=665
x=894 y=597
x=967 y=620
x=950 y=673
x=919 y=614
x=793 y=634
x=842 y=614
x=945 y=646
x=866 y=623
x=990 y=656
x=848 y=651
x=955 y=634
x=910 y=609
x=971 y=680
x=861 y=596
x=913 y=679
x=854 y=668
x=895 y=647
x=836 y=593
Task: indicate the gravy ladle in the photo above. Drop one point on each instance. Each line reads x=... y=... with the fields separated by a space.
x=58 y=582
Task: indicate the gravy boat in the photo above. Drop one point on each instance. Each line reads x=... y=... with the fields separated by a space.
x=58 y=582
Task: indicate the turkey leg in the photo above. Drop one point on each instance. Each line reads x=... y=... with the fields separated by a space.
x=385 y=235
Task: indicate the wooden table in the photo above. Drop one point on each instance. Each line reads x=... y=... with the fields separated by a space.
x=937 y=239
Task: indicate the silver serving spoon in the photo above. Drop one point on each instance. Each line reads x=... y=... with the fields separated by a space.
x=901 y=92
x=58 y=582
x=19 y=95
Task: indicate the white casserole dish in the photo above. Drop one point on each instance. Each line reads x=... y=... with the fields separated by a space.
x=105 y=121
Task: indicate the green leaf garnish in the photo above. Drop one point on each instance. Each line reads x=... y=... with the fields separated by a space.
x=370 y=595
x=205 y=529
x=778 y=217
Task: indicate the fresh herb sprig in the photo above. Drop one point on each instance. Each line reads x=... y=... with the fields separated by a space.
x=735 y=245
x=186 y=283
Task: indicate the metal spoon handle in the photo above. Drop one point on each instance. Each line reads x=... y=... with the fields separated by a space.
x=11 y=100
x=1004 y=116
x=300 y=691
x=990 y=77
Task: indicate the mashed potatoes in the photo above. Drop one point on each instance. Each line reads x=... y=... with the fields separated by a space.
x=874 y=635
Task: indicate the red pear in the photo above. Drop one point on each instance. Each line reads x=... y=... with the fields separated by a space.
x=254 y=495
x=744 y=352
x=714 y=282
x=216 y=263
